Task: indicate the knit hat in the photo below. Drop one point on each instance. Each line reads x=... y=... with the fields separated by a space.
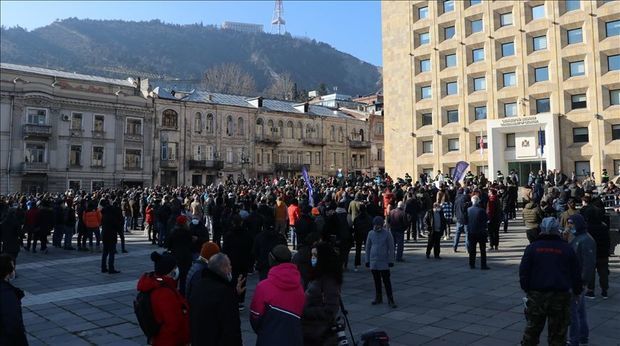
x=377 y=221
x=579 y=222
x=181 y=220
x=164 y=262
x=279 y=254
x=550 y=225
x=209 y=249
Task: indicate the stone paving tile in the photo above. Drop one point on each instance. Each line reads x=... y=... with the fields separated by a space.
x=439 y=302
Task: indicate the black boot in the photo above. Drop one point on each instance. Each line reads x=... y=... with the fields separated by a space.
x=391 y=303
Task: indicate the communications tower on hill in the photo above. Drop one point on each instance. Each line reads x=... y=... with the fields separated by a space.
x=278 y=22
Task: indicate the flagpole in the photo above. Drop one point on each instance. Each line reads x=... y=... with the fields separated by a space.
x=540 y=143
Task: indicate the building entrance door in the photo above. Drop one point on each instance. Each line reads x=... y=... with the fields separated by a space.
x=523 y=169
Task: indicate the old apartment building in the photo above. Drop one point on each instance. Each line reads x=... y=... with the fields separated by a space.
x=502 y=75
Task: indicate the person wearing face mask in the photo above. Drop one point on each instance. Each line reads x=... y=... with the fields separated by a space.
x=12 y=330
x=322 y=297
x=214 y=315
x=170 y=309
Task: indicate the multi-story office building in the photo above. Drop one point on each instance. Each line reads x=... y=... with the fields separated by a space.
x=505 y=76
x=62 y=130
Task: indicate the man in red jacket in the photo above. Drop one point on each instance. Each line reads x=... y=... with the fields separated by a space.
x=278 y=302
x=170 y=309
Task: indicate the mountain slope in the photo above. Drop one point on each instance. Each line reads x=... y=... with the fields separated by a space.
x=164 y=51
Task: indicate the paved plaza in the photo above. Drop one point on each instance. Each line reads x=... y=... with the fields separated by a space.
x=440 y=302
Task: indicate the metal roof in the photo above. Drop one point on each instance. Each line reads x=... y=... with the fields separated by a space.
x=69 y=75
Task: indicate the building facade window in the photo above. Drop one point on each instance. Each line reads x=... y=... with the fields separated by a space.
x=613 y=62
x=538 y=12
x=425 y=92
x=572 y=5
x=577 y=68
x=425 y=65
x=210 y=124
x=485 y=145
x=448 y=6
x=509 y=79
x=510 y=140
x=75 y=155
x=616 y=167
x=476 y=26
x=35 y=153
x=451 y=88
x=423 y=12
x=240 y=127
x=578 y=101
x=614 y=97
x=450 y=60
x=449 y=32
x=425 y=38
x=541 y=74
x=480 y=113
x=580 y=135
x=169 y=118
x=582 y=168
x=574 y=36
x=37 y=116
x=76 y=121
x=505 y=19
x=539 y=43
x=474 y=2
x=317 y=158
x=453 y=144
x=543 y=105
x=508 y=49
x=427 y=119
x=427 y=147
x=340 y=135
x=198 y=122
x=169 y=151
x=510 y=109
x=612 y=28
x=615 y=132
x=97 y=159
x=133 y=158
x=134 y=126
x=480 y=84
x=98 y=123
x=477 y=55
x=452 y=116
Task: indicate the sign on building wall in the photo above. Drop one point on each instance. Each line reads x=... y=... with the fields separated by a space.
x=526 y=145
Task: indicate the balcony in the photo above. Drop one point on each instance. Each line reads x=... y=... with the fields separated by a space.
x=288 y=167
x=269 y=140
x=98 y=134
x=136 y=137
x=35 y=130
x=359 y=144
x=206 y=164
x=314 y=141
x=168 y=163
x=35 y=167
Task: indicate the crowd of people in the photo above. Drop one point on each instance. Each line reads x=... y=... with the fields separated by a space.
x=215 y=236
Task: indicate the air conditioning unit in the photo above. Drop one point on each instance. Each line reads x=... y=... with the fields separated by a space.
x=65 y=117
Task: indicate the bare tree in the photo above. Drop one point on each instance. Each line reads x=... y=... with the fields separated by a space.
x=229 y=79
x=283 y=87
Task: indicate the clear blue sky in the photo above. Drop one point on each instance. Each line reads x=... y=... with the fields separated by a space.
x=353 y=27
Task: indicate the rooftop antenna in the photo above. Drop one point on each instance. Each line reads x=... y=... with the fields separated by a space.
x=277 y=23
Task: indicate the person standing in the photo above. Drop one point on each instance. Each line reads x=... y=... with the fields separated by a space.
x=398 y=222
x=594 y=216
x=170 y=309
x=477 y=233
x=111 y=223
x=362 y=224
x=214 y=316
x=494 y=214
x=548 y=271
x=411 y=209
x=461 y=203
x=238 y=246
x=294 y=214
x=69 y=219
x=10 y=236
x=275 y=312
x=12 y=327
x=179 y=243
x=585 y=248
x=208 y=249
x=380 y=258
x=436 y=225
x=92 y=221
x=532 y=216
x=281 y=216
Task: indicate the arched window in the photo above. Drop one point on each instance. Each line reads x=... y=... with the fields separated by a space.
x=169 y=118
x=240 y=127
x=198 y=122
x=230 y=130
x=289 y=129
x=362 y=135
x=332 y=133
x=210 y=126
x=308 y=131
x=300 y=130
x=281 y=128
x=340 y=134
x=271 y=129
x=317 y=132
x=260 y=128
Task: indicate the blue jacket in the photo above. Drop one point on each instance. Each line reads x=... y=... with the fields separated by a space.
x=379 y=249
x=550 y=264
x=477 y=221
x=585 y=248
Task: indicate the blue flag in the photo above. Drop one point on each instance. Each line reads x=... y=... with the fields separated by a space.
x=459 y=170
x=304 y=173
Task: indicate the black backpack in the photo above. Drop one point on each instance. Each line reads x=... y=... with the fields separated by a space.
x=144 y=313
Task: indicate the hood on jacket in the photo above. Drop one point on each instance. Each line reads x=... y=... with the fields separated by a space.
x=150 y=281
x=579 y=222
x=285 y=276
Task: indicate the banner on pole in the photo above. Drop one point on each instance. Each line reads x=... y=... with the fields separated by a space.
x=304 y=173
x=459 y=171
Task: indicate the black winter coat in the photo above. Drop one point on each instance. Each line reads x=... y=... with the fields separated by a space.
x=10 y=231
x=265 y=241
x=179 y=242
x=111 y=224
x=238 y=246
x=12 y=331
x=214 y=313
